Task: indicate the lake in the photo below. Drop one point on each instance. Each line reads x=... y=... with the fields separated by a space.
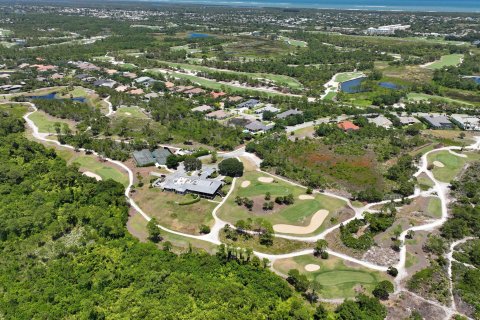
x=352 y=86
x=198 y=35
x=389 y=85
x=53 y=95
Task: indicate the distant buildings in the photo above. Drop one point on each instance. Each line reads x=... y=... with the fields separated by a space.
x=466 y=122
x=250 y=104
x=217 y=115
x=438 y=122
x=203 y=108
x=288 y=113
x=381 y=121
x=146 y=158
x=386 y=30
x=406 y=121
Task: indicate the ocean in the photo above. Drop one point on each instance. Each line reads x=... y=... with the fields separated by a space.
x=380 y=5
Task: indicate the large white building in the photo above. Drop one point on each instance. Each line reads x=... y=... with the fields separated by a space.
x=386 y=30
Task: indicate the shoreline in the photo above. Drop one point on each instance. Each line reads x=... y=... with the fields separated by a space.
x=297 y=6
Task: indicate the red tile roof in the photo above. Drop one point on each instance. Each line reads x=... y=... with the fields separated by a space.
x=347 y=125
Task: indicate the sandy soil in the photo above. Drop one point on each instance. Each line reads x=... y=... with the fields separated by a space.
x=438 y=164
x=306 y=197
x=245 y=184
x=316 y=222
x=128 y=114
x=92 y=175
x=312 y=267
x=265 y=179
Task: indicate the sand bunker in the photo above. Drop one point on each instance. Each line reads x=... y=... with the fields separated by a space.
x=245 y=184
x=128 y=114
x=306 y=197
x=312 y=267
x=92 y=175
x=315 y=223
x=265 y=179
x=438 y=164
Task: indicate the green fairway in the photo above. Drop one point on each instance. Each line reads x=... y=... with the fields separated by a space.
x=298 y=214
x=46 y=123
x=293 y=42
x=452 y=164
x=277 y=78
x=334 y=279
x=330 y=96
x=131 y=112
x=93 y=164
x=446 y=61
x=414 y=96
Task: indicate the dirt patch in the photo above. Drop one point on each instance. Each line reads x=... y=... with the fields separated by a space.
x=315 y=223
x=312 y=267
x=92 y=175
x=245 y=184
x=306 y=197
x=438 y=164
x=265 y=179
x=401 y=306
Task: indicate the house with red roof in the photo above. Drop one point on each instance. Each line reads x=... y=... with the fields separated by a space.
x=348 y=126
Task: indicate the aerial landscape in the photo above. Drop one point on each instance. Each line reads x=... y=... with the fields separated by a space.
x=245 y=160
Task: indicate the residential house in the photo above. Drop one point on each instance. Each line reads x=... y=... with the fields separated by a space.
x=257 y=126
x=203 y=108
x=406 y=121
x=348 y=126
x=466 y=122
x=288 y=113
x=217 y=115
x=182 y=184
x=381 y=121
x=250 y=104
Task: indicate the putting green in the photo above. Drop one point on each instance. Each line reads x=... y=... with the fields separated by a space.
x=338 y=277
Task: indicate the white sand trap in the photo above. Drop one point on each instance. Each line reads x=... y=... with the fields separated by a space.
x=128 y=114
x=438 y=164
x=92 y=175
x=315 y=223
x=306 y=197
x=245 y=184
x=265 y=179
x=312 y=267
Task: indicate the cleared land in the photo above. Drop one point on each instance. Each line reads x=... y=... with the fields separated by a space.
x=166 y=208
x=46 y=123
x=131 y=112
x=334 y=279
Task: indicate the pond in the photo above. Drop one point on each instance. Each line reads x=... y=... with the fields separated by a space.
x=198 y=35
x=53 y=95
x=389 y=85
x=352 y=86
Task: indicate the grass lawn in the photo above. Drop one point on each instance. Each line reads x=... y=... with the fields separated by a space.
x=298 y=213
x=334 y=279
x=131 y=112
x=452 y=164
x=447 y=60
x=414 y=96
x=137 y=226
x=46 y=122
x=279 y=246
x=434 y=207
x=345 y=76
x=93 y=164
x=212 y=84
x=165 y=207
x=424 y=182
x=17 y=110
x=330 y=96
x=293 y=42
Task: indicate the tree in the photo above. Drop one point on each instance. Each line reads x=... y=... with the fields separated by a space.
x=167 y=246
x=172 y=161
x=383 y=289
x=204 y=229
x=268 y=196
x=153 y=230
x=320 y=246
x=231 y=167
x=392 y=271
x=192 y=164
x=320 y=313
x=214 y=157
x=298 y=281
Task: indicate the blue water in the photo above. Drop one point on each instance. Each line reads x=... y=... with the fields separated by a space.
x=388 y=5
x=53 y=95
x=352 y=86
x=477 y=79
x=198 y=35
x=389 y=85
